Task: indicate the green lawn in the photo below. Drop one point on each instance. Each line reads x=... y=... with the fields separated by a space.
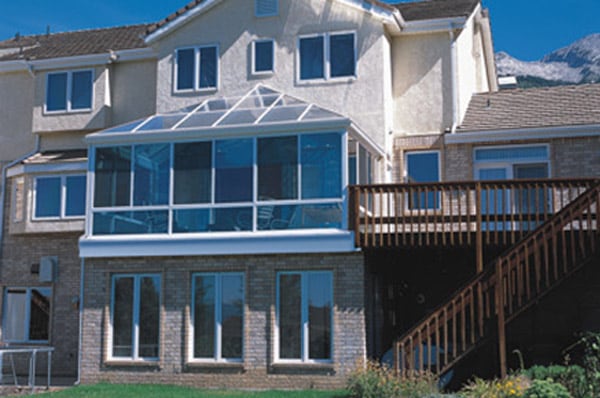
x=161 y=391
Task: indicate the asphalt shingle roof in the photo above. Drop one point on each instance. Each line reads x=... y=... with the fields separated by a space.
x=541 y=107
x=82 y=42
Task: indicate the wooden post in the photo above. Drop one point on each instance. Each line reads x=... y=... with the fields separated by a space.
x=478 y=229
x=501 y=320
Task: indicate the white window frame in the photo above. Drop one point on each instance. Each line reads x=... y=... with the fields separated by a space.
x=263 y=15
x=63 y=198
x=264 y=72
x=217 y=355
x=326 y=57
x=254 y=203
x=305 y=338
x=27 y=315
x=196 y=83
x=509 y=163
x=69 y=93
x=136 y=318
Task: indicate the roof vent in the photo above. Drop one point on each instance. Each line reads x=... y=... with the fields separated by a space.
x=266 y=8
x=507 y=82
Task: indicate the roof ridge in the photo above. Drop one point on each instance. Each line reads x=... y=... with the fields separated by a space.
x=539 y=89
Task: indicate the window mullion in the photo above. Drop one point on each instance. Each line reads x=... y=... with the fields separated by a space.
x=131 y=176
x=196 y=68
x=27 y=316
x=304 y=314
x=327 y=56
x=136 y=317
x=69 y=88
x=255 y=185
x=218 y=354
x=299 y=167
x=63 y=196
x=171 y=187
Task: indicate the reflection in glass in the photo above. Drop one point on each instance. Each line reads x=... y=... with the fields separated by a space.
x=39 y=314
x=149 y=322
x=233 y=172
x=290 y=316
x=192 y=220
x=47 y=197
x=342 y=57
x=319 y=315
x=112 y=176
x=204 y=316
x=277 y=168
x=131 y=222
x=81 y=90
x=75 y=200
x=232 y=309
x=151 y=176
x=123 y=317
x=312 y=58
x=192 y=172
x=321 y=156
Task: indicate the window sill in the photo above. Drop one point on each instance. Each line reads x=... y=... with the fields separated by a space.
x=67 y=112
x=325 y=366
x=132 y=363
x=326 y=81
x=208 y=90
x=214 y=365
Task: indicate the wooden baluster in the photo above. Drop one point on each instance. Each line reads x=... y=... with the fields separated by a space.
x=525 y=260
x=405 y=209
x=437 y=344
x=478 y=230
x=396 y=211
x=554 y=250
x=480 y=308
x=565 y=257
x=446 y=348
x=537 y=265
x=472 y=308
x=421 y=356
x=546 y=255
x=427 y=220
x=451 y=211
x=460 y=215
x=509 y=288
x=463 y=323
x=397 y=356
x=443 y=197
x=429 y=354
x=454 y=331
x=501 y=320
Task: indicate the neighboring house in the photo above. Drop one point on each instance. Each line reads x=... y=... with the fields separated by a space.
x=220 y=243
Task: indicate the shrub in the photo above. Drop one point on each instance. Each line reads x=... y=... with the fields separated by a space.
x=379 y=381
x=546 y=389
x=510 y=387
x=572 y=377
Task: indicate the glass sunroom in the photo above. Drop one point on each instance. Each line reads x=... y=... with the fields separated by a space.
x=263 y=165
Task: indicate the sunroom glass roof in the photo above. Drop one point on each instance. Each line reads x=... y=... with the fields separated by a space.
x=260 y=106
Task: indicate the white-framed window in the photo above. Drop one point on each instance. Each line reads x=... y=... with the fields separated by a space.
x=217 y=317
x=244 y=184
x=266 y=8
x=512 y=162
x=27 y=314
x=327 y=56
x=69 y=91
x=263 y=57
x=197 y=68
x=135 y=317
x=59 y=197
x=423 y=167
x=304 y=330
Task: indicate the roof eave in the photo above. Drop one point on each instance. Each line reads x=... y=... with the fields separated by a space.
x=524 y=133
x=434 y=25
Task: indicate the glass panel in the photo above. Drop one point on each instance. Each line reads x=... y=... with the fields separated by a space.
x=47 y=197
x=277 y=168
x=201 y=119
x=13 y=327
x=162 y=122
x=149 y=322
x=124 y=128
x=204 y=316
x=493 y=200
x=192 y=172
x=232 y=219
x=312 y=58
x=283 y=114
x=423 y=167
x=185 y=69
x=263 y=56
x=39 y=314
x=271 y=217
x=242 y=116
x=195 y=220
x=232 y=311
x=290 y=317
x=75 y=201
x=321 y=166
x=233 y=172
x=208 y=67
x=532 y=201
x=352 y=170
x=342 y=57
x=112 y=176
x=316 y=113
x=151 y=175
x=528 y=152
x=319 y=315
x=122 y=317
x=131 y=222
x=56 y=92
x=81 y=90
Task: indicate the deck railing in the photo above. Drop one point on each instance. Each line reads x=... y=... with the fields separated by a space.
x=512 y=283
x=456 y=213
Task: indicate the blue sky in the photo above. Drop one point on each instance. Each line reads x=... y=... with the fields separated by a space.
x=527 y=29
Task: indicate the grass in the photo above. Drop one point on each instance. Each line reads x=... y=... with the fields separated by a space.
x=162 y=391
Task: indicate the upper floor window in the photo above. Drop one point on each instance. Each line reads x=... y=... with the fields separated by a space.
x=60 y=196
x=69 y=91
x=266 y=8
x=197 y=68
x=327 y=56
x=263 y=57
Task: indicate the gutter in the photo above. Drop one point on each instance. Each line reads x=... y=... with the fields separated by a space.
x=3 y=189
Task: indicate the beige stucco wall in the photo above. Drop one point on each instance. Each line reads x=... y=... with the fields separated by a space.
x=422 y=83
x=133 y=90
x=16 y=102
x=233 y=26
x=95 y=119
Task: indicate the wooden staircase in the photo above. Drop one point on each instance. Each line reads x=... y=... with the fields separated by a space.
x=512 y=283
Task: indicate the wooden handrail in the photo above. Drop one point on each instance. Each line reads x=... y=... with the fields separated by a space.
x=520 y=276
x=457 y=213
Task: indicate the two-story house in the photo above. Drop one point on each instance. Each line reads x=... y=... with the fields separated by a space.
x=193 y=201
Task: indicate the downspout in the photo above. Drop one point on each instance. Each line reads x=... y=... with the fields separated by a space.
x=3 y=190
x=453 y=78
x=80 y=342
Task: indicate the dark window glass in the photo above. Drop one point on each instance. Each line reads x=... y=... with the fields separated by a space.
x=342 y=57
x=204 y=317
x=290 y=316
x=208 y=67
x=185 y=69
x=321 y=156
x=232 y=310
x=123 y=317
x=81 y=90
x=112 y=176
x=312 y=58
x=149 y=322
x=319 y=315
x=192 y=171
x=233 y=165
x=75 y=200
x=263 y=56
x=47 y=197
x=151 y=175
x=278 y=168
x=56 y=92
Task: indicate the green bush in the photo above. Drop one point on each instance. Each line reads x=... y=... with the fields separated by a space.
x=377 y=381
x=546 y=389
x=510 y=387
x=572 y=377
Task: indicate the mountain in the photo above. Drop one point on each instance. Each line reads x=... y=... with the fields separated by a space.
x=575 y=64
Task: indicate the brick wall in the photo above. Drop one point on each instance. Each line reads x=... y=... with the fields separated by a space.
x=258 y=369
x=19 y=252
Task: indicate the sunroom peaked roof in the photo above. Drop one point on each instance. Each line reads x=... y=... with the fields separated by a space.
x=261 y=109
